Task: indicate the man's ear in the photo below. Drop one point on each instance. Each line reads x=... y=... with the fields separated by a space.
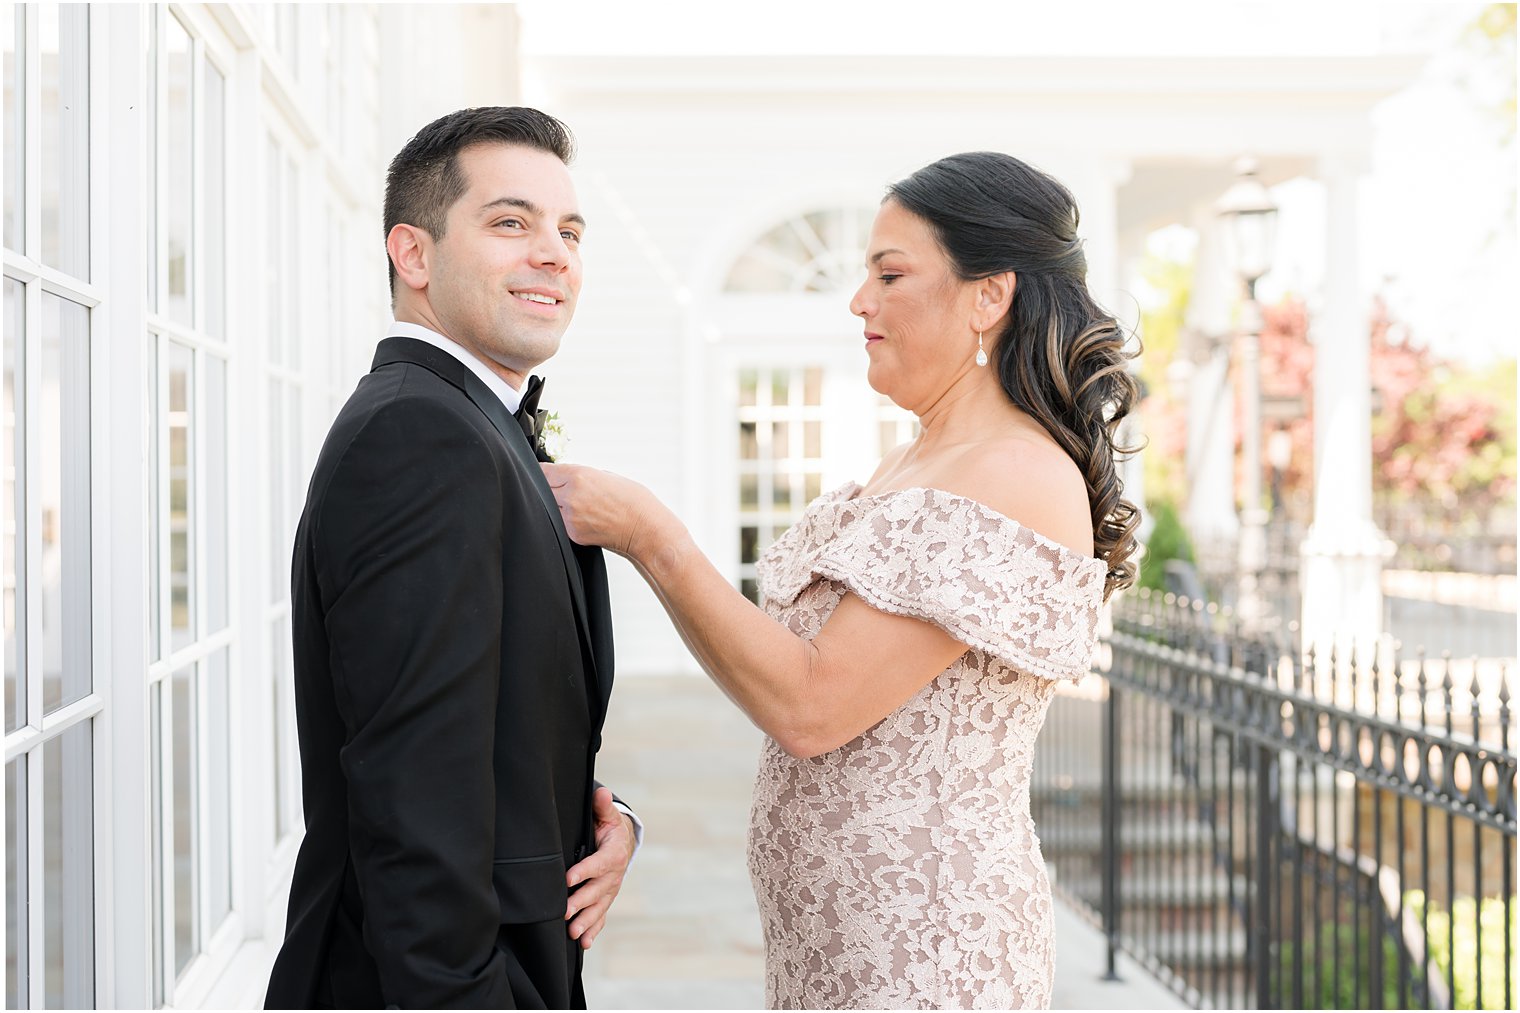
x=994 y=297
x=410 y=250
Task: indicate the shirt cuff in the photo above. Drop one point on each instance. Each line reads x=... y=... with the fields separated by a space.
x=638 y=827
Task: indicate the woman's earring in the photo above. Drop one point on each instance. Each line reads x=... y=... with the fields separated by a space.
x=981 y=353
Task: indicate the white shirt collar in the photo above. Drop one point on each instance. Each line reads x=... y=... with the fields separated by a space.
x=503 y=390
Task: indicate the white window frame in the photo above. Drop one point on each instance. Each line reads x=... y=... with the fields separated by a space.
x=37 y=729
x=261 y=86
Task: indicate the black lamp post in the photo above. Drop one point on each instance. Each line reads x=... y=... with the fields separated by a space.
x=1250 y=217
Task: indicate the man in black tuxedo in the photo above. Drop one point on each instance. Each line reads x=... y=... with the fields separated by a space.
x=453 y=652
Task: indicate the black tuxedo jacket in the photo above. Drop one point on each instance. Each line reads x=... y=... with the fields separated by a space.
x=453 y=660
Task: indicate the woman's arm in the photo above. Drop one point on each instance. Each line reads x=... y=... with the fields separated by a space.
x=810 y=696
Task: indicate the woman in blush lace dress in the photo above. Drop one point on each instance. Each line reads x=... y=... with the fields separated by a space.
x=913 y=629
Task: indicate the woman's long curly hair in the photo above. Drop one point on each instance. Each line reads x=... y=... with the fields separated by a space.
x=1060 y=357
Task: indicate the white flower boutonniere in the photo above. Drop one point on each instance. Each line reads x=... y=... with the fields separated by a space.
x=553 y=438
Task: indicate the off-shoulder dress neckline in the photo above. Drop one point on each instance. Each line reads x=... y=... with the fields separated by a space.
x=852 y=490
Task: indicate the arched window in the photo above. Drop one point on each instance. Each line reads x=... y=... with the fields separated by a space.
x=820 y=251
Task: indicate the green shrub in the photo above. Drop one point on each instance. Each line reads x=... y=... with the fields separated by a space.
x=1336 y=943
x=1168 y=541
x=1473 y=922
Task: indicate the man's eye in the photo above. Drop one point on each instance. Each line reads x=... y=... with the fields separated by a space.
x=570 y=236
x=887 y=279
x=515 y=223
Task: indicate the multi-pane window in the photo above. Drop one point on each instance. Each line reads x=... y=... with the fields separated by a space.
x=192 y=634
x=285 y=389
x=52 y=703
x=894 y=426
x=137 y=328
x=780 y=457
x=820 y=251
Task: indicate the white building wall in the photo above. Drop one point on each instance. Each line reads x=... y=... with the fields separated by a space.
x=686 y=160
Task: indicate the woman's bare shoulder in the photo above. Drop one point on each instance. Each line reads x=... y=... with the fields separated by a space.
x=1028 y=480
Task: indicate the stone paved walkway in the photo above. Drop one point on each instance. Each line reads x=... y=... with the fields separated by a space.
x=684 y=933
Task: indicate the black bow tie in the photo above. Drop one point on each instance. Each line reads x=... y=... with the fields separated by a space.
x=531 y=418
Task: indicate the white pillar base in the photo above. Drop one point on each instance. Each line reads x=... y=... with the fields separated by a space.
x=1342 y=584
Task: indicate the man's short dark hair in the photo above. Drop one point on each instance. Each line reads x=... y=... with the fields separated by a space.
x=425 y=179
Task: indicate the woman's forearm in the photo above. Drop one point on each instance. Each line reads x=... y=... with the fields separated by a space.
x=758 y=663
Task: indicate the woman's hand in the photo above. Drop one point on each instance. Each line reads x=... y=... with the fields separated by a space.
x=600 y=508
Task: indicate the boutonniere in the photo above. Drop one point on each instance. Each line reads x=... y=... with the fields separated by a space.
x=552 y=440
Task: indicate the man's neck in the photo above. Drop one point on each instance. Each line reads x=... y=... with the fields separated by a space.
x=421 y=317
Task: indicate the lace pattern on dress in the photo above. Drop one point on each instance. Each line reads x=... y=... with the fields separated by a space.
x=987 y=580
x=902 y=869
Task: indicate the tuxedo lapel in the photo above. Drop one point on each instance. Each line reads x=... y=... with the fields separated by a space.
x=437 y=361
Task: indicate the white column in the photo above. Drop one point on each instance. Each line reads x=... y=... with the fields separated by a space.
x=1344 y=551
x=1211 y=519
x=1109 y=257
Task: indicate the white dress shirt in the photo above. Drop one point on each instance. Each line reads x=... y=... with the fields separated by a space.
x=511 y=397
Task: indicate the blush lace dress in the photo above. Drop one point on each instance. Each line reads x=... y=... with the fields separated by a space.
x=902 y=869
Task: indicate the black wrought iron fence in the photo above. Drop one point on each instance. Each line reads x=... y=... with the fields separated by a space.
x=1267 y=830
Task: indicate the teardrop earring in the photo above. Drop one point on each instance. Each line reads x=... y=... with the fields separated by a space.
x=981 y=353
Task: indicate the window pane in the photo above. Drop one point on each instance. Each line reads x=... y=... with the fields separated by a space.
x=274 y=249
x=812 y=438
x=748 y=380
x=749 y=449
x=279 y=672
x=15 y=882
x=15 y=685
x=65 y=496
x=812 y=386
x=15 y=163
x=68 y=805
x=214 y=284
x=178 y=164
x=279 y=560
x=749 y=542
x=218 y=736
x=780 y=445
x=181 y=483
x=288 y=253
x=150 y=145
x=184 y=773
x=783 y=492
x=156 y=815
x=155 y=560
x=214 y=523
x=64 y=44
x=780 y=390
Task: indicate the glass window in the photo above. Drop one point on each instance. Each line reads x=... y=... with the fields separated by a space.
x=216 y=522
x=152 y=437
x=15 y=684
x=16 y=957
x=820 y=251
x=64 y=46
x=218 y=793
x=156 y=697
x=181 y=483
x=68 y=830
x=13 y=25
x=894 y=426
x=182 y=809
x=179 y=164
x=150 y=151
x=780 y=457
x=65 y=498
x=214 y=207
